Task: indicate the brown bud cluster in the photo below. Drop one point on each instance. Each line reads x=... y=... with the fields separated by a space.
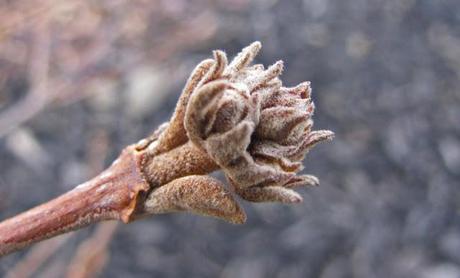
x=255 y=129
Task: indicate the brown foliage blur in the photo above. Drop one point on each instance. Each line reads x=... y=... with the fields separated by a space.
x=61 y=49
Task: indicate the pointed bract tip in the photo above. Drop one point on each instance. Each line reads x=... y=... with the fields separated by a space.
x=256 y=45
x=297 y=199
x=276 y=69
x=329 y=135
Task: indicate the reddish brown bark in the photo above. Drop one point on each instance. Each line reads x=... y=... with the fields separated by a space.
x=111 y=195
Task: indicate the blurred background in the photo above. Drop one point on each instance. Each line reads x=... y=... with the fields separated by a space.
x=79 y=80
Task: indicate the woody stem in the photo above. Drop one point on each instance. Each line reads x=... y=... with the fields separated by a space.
x=110 y=195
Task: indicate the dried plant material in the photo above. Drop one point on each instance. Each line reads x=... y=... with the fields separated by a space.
x=234 y=117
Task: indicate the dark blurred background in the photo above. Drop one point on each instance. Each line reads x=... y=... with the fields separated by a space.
x=79 y=80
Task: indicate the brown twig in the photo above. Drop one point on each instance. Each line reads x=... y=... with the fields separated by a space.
x=37 y=256
x=111 y=195
x=232 y=117
x=92 y=254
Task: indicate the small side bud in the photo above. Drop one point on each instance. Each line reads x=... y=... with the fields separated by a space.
x=201 y=195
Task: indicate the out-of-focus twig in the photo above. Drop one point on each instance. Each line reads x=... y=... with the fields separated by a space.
x=92 y=254
x=38 y=95
x=83 y=50
x=37 y=257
